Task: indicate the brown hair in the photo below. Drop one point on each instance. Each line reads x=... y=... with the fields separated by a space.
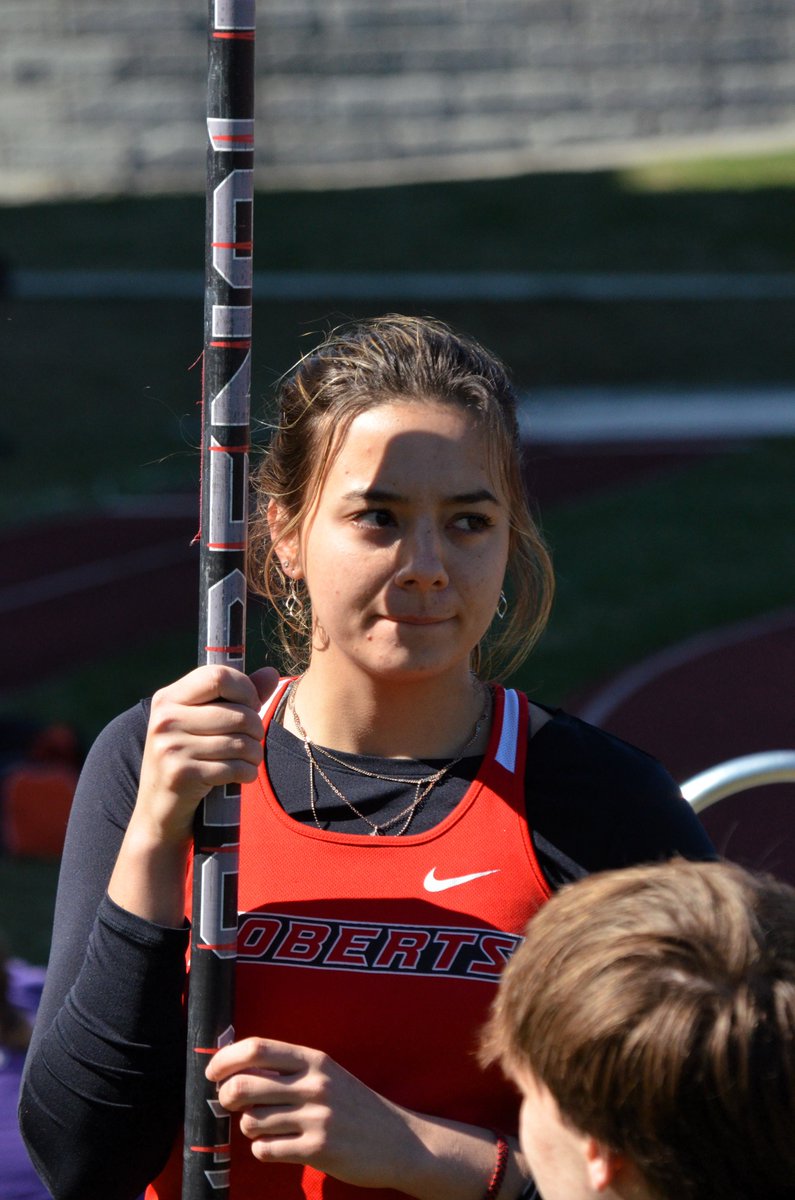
x=374 y=362
x=657 y=1005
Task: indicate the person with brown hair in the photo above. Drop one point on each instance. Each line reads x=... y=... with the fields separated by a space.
x=648 y=1020
x=406 y=819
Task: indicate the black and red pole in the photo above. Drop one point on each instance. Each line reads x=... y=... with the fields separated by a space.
x=226 y=388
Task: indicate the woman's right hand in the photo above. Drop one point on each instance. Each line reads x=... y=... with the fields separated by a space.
x=204 y=732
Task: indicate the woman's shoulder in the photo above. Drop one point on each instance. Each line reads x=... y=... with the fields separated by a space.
x=559 y=740
x=602 y=802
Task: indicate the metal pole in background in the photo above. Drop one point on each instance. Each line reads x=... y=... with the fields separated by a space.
x=224 y=513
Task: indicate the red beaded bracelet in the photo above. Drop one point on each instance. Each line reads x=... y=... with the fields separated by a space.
x=498 y=1174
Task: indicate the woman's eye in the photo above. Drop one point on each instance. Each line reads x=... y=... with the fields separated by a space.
x=377 y=518
x=472 y=522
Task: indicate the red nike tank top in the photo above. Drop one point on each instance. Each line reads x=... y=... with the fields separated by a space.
x=384 y=952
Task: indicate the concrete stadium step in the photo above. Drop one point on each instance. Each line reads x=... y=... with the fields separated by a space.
x=408 y=89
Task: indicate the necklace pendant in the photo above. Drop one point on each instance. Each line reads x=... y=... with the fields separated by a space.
x=373 y=833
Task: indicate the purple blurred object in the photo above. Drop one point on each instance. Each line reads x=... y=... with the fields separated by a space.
x=18 y=1179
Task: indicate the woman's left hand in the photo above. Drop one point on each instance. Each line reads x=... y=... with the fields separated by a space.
x=297 y=1105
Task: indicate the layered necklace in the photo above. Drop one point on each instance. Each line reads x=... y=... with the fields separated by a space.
x=422 y=786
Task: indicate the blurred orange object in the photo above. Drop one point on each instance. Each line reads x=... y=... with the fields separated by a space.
x=35 y=799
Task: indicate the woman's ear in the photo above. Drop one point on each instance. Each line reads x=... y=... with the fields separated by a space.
x=287 y=547
x=604 y=1165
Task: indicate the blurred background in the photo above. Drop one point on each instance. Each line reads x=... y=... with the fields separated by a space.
x=601 y=191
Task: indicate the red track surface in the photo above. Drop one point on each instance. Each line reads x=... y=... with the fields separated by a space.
x=75 y=589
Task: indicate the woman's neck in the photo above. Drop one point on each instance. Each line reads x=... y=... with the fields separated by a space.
x=428 y=719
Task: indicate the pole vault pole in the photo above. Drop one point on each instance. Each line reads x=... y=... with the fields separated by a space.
x=226 y=381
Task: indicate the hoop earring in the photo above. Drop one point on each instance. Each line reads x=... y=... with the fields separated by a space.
x=502 y=606
x=294 y=604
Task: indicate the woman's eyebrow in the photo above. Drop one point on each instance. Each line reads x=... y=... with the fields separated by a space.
x=381 y=495
x=475 y=497
x=374 y=494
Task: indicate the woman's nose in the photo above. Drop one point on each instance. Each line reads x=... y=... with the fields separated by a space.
x=421 y=562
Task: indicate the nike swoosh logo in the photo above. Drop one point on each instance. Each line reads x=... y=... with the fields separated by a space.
x=432 y=884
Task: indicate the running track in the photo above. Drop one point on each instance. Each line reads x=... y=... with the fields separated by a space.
x=78 y=588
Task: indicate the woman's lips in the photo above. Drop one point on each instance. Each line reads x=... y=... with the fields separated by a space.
x=416 y=620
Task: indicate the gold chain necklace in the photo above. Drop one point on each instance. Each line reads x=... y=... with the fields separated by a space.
x=422 y=787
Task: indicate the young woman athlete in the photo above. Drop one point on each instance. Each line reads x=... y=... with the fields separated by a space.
x=406 y=818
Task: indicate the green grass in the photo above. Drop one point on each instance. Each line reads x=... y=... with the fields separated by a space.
x=772 y=169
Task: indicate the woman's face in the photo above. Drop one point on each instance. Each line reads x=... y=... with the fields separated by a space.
x=405 y=548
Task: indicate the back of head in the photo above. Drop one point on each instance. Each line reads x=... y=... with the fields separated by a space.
x=657 y=1005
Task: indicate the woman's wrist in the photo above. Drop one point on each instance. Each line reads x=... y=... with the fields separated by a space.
x=149 y=876
x=462 y=1162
